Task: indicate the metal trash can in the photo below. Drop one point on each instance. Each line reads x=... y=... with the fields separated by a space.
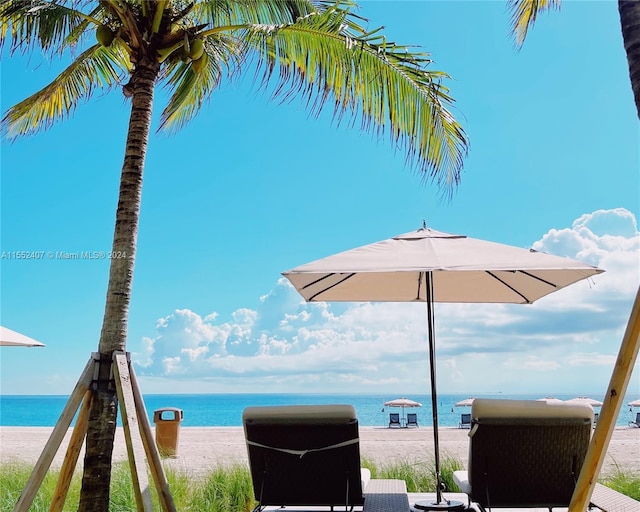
x=167 y=422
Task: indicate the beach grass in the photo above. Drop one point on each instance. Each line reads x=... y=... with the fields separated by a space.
x=228 y=488
x=419 y=476
x=224 y=489
x=624 y=482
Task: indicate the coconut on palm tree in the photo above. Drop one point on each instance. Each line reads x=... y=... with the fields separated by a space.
x=318 y=50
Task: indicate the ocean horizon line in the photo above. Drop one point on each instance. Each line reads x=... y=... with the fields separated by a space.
x=225 y=409
x=592 y=394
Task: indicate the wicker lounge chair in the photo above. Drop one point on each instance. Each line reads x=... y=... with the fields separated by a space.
x=304 y=455
x=525 y=453
x=394 y=420
x=412 y=419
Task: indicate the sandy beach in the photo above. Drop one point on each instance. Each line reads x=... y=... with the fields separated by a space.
x=202 y=448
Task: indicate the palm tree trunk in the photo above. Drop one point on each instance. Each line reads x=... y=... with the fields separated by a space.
x=96 y=478
x=630 y=22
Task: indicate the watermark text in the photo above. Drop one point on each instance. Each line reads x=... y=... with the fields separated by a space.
x=62 y=255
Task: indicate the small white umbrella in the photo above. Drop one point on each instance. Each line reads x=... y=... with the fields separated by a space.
x=635 y=403
x=402 y=402
x=586 y=400
x=9 y=338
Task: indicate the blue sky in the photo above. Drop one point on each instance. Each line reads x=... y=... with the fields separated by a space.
x=252 y=188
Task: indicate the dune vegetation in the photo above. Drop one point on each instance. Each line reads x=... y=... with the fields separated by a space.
x=228 y=488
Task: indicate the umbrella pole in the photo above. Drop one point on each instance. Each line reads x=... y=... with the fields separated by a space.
x=439 y=504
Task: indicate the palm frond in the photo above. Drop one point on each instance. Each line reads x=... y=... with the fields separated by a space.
x=190 y=88
x=328 y=57
x=35 y=24
x=524 y=14
x=80 y=30
x=96 y=67
x=233 y=12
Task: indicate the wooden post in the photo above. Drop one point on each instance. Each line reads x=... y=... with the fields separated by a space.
x=138 y=438
x=56 y=438
x=71 y=456
x=622 y=370
x=135 y=449
x=153 y=456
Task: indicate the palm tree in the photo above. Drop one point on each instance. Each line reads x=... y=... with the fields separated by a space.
x=630 y=22
x=318 y=50
x=523 y=16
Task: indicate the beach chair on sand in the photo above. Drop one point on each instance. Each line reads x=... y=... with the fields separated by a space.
x=636 y=422
x=525 y=453
x=465 y=420
x=394 y=420
x=304 y=455
x=412 y=419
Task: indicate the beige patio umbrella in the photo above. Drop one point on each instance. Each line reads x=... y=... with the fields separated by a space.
x=9 y=338
x=431 y=266
x=549 y=399
x=586 y=400
x=467 y=402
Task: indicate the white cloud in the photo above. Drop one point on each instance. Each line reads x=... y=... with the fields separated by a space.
x=567 y=341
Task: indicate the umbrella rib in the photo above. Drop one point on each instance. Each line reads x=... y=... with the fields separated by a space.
x=329 y=287
x=509 y=286
x=538 y=278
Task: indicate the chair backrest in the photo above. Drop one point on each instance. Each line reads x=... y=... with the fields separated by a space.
x=304 y=455
x=412 y=418
x=526 y=453
x=637 y=422
x=465 y=419
x=394 y=418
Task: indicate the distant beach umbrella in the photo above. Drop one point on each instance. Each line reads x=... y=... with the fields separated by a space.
x=586 y=400
x=402 y=402
x=431 y=266
x=635 y=403
x=467 y=402
x=9 y=338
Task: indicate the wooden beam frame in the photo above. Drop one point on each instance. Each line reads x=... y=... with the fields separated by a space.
x=137 y=432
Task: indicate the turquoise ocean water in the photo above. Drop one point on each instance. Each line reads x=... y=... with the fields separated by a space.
x=225 y=410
